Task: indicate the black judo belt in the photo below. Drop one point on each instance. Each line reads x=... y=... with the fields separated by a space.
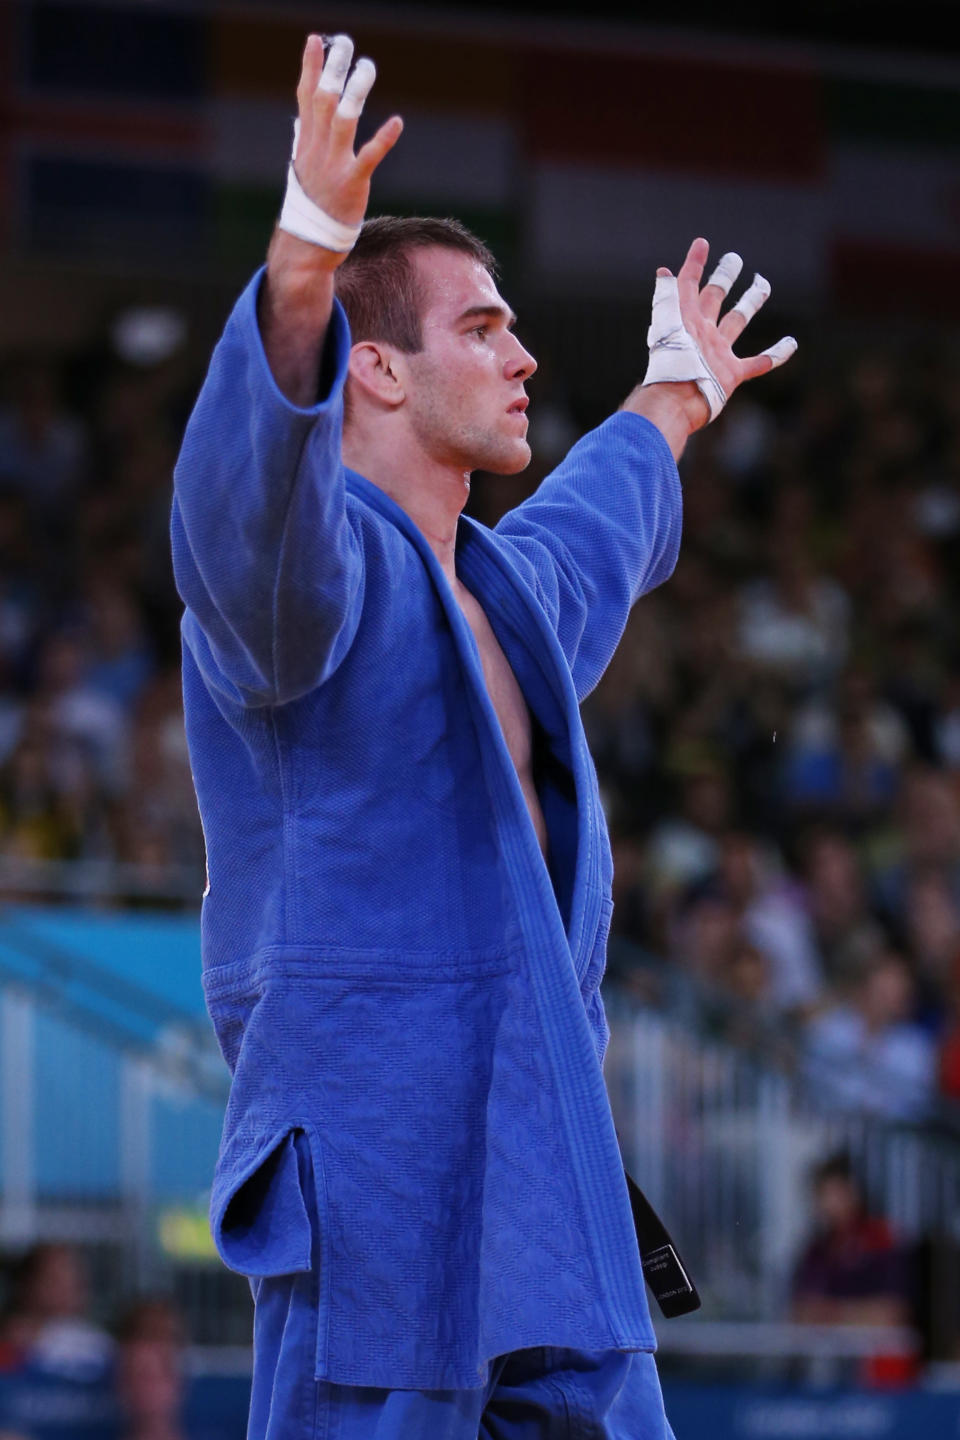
x=663 y=1269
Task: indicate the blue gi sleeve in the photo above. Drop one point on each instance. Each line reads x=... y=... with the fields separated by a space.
x=600 y=531
x=265 y=558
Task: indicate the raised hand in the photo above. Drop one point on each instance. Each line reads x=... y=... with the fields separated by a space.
x=689 y=342
x=329 y=186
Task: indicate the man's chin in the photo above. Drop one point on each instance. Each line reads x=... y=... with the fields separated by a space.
x=509 y=461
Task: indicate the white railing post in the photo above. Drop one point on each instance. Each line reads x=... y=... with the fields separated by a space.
x=777 y=1138
x=649 y=1052
x=18 y=1215
x=136 y=1146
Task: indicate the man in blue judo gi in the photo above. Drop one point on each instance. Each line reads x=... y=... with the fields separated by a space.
x=409 y=873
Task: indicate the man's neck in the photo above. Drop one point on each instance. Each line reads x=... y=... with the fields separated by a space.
x=431 y=493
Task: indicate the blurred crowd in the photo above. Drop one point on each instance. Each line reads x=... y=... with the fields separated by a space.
x=93 y=762
x=62 y=1373
x=778 y=737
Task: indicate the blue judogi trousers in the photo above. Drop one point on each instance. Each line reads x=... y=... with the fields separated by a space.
x=536 y=1394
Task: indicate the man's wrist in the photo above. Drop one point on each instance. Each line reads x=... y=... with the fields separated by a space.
x=676 y=408
x=299 y=284
x=294 y=308
x=299 y=266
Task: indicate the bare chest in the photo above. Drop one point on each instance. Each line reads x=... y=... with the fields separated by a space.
x=508 y=702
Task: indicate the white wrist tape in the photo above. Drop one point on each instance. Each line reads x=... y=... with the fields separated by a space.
x=674 y=354
x=307 y=221
x=300 y=216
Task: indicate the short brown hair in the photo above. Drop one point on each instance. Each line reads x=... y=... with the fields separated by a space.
x=378 y=285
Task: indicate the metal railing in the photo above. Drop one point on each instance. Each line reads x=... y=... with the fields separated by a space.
x=111 y=1099
x=724 y=1148
x=112 y=881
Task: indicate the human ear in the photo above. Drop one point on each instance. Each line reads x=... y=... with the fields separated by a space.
x=373 y=370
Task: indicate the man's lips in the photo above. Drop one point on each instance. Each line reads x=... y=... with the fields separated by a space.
x=518 y=406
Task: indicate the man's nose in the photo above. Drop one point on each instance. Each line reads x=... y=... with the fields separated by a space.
x=521 y=364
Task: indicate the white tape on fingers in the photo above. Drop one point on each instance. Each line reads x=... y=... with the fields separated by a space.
x=674 y=354
x=358 y=88
x=751 y=300
x=781 y=352
x=301 y=217
x=665 y=314
x=727 y=270
x=337 y=65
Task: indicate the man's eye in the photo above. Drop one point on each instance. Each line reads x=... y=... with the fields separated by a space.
x=480 y=330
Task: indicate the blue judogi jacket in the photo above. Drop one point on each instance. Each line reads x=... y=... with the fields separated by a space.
x=391 y=967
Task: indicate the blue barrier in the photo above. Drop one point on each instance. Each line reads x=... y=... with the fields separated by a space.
x=47 y=1407
x=158 y=954
x=97 y=994
x=215 y=1408
x=740 y=1413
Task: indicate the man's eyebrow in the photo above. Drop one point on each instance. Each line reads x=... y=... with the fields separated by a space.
x=493 y=312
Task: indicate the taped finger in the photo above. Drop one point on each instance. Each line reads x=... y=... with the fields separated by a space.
x=665 y=315
x=337 y=65
x=358 y=88
x=727 y=270
x=751 y=300
x=781 y=352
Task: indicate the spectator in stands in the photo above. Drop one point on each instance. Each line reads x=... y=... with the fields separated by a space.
x=773 y=920
x=931 y=928
x=842 y=762
x=85 y=718
x=119 y=661
x=948 y=1054
x=846 y=933
x=46 y=1319
x=852 y=1270
x=740 y=1008
x=795 y=622
x=684 y=848
x=867 y=1054
x=150 y=1382
x=706 y=933
x=42 y=447
x=947 y=723
x=35 y=820
x=21 y=585
x=926 y=838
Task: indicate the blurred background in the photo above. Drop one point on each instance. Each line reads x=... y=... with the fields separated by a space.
x=778 y=738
